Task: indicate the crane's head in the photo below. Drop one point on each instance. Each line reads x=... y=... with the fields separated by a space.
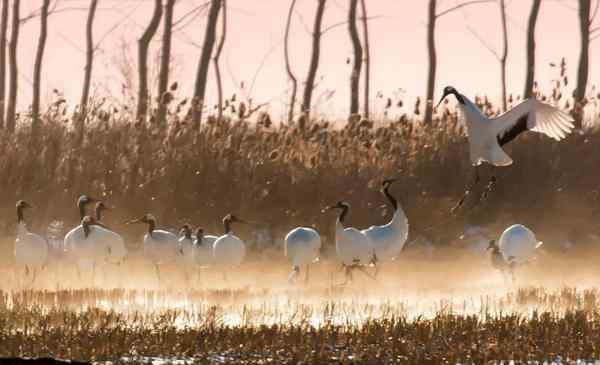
x=186 y=231
x=85 y=199
x=339 y=205
x=230 y=218
x=22 y=204
x=387 y=183
x=199 y=233
x=101 y=206
x=449 y=90
x=146 y=218
x=492 y=245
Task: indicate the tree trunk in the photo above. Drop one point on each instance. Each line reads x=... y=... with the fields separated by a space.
x=207 y=50
x=432 y=62
x=530 y=72
x=583 y=69
x=367 y=58
x=288 y=67
x=37 y=70
x=12 y=64
x=143 y=46
x=314 y=61
x=87 y=76
x=216 y=62
x=357 y=62
x=3 y=29
x=504 y=55
x=165 y=62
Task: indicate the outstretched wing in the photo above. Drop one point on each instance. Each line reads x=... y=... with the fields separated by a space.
x=532 y=115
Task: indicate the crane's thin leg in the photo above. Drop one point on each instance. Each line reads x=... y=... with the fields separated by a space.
x=157 y=271
x=488 y=188
x=306 y=276
x=468 y=190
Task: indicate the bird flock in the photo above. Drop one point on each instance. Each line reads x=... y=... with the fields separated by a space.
x=91 y=243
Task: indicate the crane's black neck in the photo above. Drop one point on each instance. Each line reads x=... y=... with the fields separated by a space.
x=151 y=227
x=227 y=225
x=98 y=213
x=199 y=236
x=20 y=217
x=86 y=228
x=188 y=234
x=81 y=206
x=343 y=213
x=389 y=196
x=457 y=95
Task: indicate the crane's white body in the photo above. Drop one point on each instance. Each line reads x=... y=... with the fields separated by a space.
x=161 y=247
x=186 y=251
x=518 y=244
x=203 y=250
x=484 y=132
x=302 y=246
x=91 y=250
x=389 y=240
x=31 y=250
x=229 y=250
x=352 y=246
x=117 y=251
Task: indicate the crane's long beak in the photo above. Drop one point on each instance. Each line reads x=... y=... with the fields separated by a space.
x=442 y=99
x=137 y=220
x=327 y=208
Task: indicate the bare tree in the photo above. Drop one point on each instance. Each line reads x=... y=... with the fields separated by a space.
x=432 y=17
x=89 y=63
x=3 y=31
x=288 y=67
x=357 y=61
x=207 y=50
x=165 y=61
x=143 y=46
x=12 y=63
x=37 y=70
x=314 y=60
x=216 y=61
x=530 y=71
x=504 y=55
x=432 y=57
x=367 y=58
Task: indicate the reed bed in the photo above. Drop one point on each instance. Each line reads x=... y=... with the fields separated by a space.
x=264 y=171
x=38 y=324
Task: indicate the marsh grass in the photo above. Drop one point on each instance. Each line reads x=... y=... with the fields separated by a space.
x=43 y=324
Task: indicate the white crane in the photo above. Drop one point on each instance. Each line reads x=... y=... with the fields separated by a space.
x=518 y=244
x=228 y=250
x=302 y=246
x=160 y=246
x=353 y=247
x=488 y=135
x=203 y=247
x=87 y=253
x=31 y=250
x=116 y=250
x=389 y=240
x=499 y=262
x=185 y=258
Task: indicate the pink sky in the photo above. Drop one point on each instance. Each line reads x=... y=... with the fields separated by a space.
x=255 y=33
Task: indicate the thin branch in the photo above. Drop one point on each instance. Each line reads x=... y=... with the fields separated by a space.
x=462 y=5
x=484 y=42
x=595 y=12
x=339 y=24
x=198 y=9
x=115 y=26
x=594 y=30
x=304 y=25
